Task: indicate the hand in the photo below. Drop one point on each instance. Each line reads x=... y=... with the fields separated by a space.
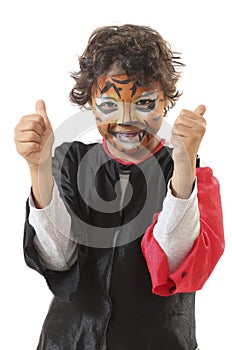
x=34 y=136
x=34 y=139
x=187 y=133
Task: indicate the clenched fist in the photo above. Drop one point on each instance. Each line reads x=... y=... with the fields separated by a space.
x=187 y=133
x=34 y=139
x=34 y=136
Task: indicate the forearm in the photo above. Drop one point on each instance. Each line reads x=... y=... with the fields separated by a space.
x=177 y=227
x=52 y=225
x=183 y=179
x=42 y=183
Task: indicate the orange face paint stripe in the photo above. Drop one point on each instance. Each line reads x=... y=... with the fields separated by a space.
x=122 y=88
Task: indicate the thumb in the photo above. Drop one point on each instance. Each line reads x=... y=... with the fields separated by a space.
x=40 y=109
x=200 y=109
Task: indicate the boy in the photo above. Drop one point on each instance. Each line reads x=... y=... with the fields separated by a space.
x=125 y=231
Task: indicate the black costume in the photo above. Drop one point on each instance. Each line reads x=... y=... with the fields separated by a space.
x=105 y=300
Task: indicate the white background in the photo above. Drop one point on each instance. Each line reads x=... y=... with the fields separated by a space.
x=40 y=41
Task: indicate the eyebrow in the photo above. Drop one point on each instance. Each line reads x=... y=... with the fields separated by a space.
x=105 y=97
x=143 y=94
x=148 y=93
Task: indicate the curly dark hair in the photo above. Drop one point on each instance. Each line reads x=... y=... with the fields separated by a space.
x=138 y=51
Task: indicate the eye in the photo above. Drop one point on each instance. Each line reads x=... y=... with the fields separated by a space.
x=109 y=105
x=106 y=106
x=146 y=105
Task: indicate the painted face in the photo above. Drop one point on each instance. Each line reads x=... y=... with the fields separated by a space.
x=128 y=116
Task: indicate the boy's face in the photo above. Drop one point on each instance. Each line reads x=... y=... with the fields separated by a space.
x=128 y=116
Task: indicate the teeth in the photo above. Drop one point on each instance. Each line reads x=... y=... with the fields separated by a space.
x=141 y=136
x=130 y=137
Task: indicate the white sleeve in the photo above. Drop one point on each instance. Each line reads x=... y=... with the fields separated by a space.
x=177 y=227
x=52 y=225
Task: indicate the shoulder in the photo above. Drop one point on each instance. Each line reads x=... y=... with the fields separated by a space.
x=164 y=154
x=74 y=149
x=68 y=156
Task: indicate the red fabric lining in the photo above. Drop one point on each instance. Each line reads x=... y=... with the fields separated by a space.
x=206 y=251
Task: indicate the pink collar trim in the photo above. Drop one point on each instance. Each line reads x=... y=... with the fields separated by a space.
x=160 y=145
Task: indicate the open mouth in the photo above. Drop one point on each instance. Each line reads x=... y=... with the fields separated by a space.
x=129 y=136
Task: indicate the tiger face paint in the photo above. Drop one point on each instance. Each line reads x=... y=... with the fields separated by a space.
x=128 y=116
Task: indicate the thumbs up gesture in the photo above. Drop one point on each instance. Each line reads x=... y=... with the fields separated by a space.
x=187 y=133
x=34 y=136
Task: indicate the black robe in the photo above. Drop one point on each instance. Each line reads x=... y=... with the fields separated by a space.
x=105 y=300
